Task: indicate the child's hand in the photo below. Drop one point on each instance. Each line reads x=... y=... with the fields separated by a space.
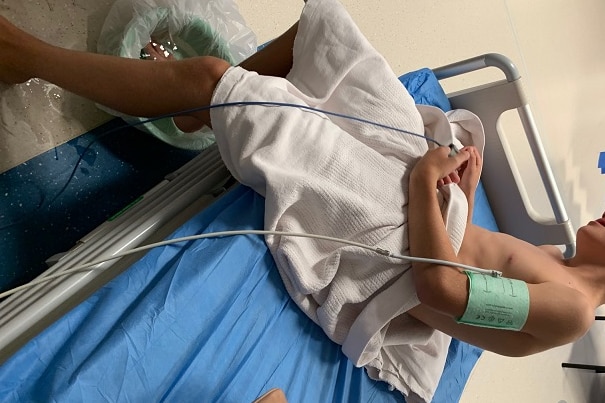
x=437 y=167
x=470 y=173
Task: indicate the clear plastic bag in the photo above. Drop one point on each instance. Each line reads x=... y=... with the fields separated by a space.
x=186 y=28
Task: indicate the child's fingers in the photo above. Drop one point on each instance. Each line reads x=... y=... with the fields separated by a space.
x=454 y=177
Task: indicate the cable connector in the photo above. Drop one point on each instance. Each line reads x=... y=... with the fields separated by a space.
x=453 y=150
x=383 y=252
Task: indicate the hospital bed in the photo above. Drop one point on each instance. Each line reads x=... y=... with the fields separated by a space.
x=210 y=320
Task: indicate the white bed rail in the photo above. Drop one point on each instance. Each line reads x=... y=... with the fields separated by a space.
x=501 y=179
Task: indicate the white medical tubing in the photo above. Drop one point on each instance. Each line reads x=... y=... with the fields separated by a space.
x=378 y=250
x=383 y=252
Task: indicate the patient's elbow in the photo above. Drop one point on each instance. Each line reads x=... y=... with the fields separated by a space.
x=441 y=288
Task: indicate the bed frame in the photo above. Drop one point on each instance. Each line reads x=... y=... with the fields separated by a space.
x=197 y=184
x=501 y=178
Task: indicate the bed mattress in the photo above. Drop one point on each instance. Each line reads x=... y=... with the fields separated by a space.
x=209 y=320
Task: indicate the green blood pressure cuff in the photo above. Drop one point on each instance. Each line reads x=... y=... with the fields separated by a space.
x=496 y=302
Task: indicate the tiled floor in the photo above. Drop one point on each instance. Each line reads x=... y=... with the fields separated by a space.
x=557 y=46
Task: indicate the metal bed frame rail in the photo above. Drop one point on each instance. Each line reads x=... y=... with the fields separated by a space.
x=501 y=178
x=158 y=213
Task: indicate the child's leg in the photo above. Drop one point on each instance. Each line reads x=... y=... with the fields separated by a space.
x=275 y=59
x=133 y=87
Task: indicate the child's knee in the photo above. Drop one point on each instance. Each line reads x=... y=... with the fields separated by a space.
x=198 y=78
x=215 y=68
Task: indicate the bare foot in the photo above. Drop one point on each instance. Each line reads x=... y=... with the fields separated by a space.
x=12 y=43
x=157 y=52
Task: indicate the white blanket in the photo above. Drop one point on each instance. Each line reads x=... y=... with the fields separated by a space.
x=342 y=178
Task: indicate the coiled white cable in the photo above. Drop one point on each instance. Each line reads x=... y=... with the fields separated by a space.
x=378 y=250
